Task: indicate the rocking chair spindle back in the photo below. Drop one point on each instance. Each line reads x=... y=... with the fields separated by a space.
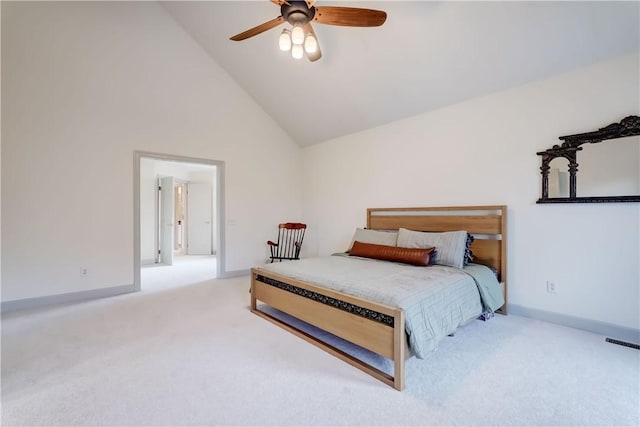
x=290 y=237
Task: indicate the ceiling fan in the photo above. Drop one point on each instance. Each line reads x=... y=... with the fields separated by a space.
x=301 y=39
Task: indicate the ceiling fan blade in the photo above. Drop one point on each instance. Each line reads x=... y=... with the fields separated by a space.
x=259 y=29
x=349 y=16
x=313 y=57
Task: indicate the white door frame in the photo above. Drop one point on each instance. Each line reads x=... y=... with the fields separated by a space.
x=219 y=208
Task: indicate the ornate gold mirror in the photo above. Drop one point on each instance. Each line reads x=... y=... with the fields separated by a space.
x=611 y=168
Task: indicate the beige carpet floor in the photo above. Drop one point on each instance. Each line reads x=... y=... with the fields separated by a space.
x=187 y=351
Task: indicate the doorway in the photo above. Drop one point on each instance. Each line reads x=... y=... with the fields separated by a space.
x=178 y=211
x=184 y=214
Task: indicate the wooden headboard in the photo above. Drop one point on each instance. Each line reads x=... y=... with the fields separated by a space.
x=487 y=224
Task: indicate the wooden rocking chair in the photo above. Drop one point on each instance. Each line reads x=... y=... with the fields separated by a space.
x=290 y=236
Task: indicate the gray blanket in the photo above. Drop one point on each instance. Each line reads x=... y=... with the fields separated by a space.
x=436 y=299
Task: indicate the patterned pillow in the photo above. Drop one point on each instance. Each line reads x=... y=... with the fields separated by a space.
x=387 y=238
x=468 y=253
x=450 y=245
x=413 y=256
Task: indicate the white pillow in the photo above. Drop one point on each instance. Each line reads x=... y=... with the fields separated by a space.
x=450 y=245
x=387 y=238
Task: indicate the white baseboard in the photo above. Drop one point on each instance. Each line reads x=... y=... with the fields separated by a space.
x=613 y=331
x=148 y=261
x=37 y=302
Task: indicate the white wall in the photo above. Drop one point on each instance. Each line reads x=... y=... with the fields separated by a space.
x=1 y=115
x=85 y=84
x=483 y=151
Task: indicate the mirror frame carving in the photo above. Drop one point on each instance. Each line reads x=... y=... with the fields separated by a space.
x=629 y=126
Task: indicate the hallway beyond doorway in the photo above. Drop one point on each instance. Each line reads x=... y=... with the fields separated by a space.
x=186 y=270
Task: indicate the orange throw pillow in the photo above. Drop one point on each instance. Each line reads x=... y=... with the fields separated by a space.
x=413 y=256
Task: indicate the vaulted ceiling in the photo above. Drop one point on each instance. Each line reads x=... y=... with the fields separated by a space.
x=426 y=56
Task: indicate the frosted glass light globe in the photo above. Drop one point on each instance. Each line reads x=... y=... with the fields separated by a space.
x=285 y=40
x=310 y=44
x=297 y=34
x=297 y=51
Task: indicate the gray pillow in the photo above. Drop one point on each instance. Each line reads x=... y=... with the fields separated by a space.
x=387 y=238
x=450 y=245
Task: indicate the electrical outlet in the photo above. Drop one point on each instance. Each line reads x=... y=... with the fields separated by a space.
x=551 y=287
x=83 y=271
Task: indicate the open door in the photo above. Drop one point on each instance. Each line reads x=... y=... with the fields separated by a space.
x=199 y=208
x=165 y=197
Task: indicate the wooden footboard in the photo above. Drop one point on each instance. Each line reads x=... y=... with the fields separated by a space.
x=376 y=327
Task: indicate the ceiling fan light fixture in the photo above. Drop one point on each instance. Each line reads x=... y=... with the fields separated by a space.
x=285 y=40
x=297 y=34
x=301 y=39
x=297 y=51
x=310 y=44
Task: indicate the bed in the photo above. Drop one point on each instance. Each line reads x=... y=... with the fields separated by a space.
x=333 y=293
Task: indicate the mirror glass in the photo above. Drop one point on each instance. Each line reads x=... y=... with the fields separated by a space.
x=608 y=168
x=559 y=177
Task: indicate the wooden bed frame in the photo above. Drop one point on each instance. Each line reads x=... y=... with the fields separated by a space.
x=377 y=327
